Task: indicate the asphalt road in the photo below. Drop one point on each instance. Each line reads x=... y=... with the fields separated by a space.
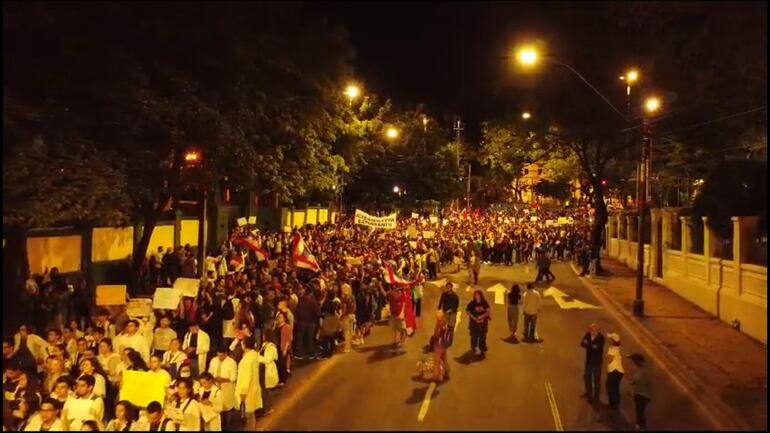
x=517 y=387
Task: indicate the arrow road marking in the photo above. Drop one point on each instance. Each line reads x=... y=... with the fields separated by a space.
x=499 y=290
x=426 y=402
x=567 y=304
x=438 y=283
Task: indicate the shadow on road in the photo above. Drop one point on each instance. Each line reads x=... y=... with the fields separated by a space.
x=468 y=357
x=383 y=354
x=418 y=395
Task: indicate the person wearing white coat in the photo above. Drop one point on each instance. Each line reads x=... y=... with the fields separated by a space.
x=248 y=392
x=197 y=342
x=210 y=399
x=187 y=411
x=268 y=355
x=224 y=369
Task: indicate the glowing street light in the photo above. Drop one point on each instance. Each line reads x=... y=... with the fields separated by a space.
x=652 y=105
x=527 y=56
x=352 y=91
x=396 y=189
x=424 y=122
x=525 y=115
x=391 y=133
x=193 y=157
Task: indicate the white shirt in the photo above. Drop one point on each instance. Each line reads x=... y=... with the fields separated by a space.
x=226 y=369
x=531 y=301
x=210 y=413
x=191 y=415
x=137 y=342
x=163 y=337
x=80 y=409
x=617 y=359
x=35 y=422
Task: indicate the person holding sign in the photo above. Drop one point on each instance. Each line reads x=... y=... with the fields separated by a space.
x=211 y=405
x=131 y=338
x=186 y=412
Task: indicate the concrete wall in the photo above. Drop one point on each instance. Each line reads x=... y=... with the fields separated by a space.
x=732 y=290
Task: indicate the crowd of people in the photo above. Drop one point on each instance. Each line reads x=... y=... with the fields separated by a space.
x=222 y=354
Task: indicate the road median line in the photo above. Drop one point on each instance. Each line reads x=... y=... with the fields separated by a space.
x=426 y=402
x=554 y=408
x=721 y=416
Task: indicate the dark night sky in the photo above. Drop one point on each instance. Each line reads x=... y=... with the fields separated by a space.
x=450 y=56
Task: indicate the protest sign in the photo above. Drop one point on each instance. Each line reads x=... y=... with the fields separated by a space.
x=252 y=220
x=241 y=222
x=166 y=298
x=433 y=220
x=415 y=215
x=110 y=295
x=413 y=245
x=188 y=286
x=141 y=388
x=353 y=261
x=139 y=307
x=411 y=232
x=386 y=222
x=533 y=219
x=428 y=234
x=549 y=223
x=444 y=222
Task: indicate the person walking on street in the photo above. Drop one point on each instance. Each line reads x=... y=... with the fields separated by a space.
x=593 y=343
x=640 y=383
x=531 y=301
x=478 y=317
x=442 y=339
x=449 y=303
x=474 y=266
x=513 y=299
x=614 y=371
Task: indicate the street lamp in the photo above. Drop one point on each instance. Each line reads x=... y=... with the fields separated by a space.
x=651 y=107
x=396 y=189
x=525 y=115
x=193 y=158
x=425 y=123
x=630 y=78
x=391 y=133
x=352 y=91
x=528 y=56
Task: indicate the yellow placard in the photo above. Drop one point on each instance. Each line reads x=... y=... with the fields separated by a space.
x=162 y=236
x=354 y=261
x=110 y=295
x=142 y=388
x=188 y=286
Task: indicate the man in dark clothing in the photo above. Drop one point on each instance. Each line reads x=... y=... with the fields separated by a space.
x=593 y=343
x=306 y=316
x=449 y=303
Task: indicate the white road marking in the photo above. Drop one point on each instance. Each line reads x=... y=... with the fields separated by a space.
x=499 y=290
x=457 y=321
x=426 y=402
x=559 y=296
x=554 y=409
x=438 y=283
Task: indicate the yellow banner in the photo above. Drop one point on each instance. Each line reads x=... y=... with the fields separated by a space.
x=141 y=388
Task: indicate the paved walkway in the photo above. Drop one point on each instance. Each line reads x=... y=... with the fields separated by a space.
x=725 y=364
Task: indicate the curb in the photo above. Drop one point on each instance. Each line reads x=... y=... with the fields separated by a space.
x=721 y=416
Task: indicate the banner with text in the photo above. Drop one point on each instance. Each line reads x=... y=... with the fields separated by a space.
x=386 y=222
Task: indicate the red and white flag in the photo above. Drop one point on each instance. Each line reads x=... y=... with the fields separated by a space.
x=394 y=279
x=301 y=255
x=253 y=245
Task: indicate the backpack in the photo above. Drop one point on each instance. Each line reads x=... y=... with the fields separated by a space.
x=228 y=311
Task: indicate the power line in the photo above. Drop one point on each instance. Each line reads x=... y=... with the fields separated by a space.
x=697 y=125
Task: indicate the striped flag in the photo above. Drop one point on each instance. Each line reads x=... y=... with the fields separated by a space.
x=237 y=262
x=253 y=245
x=301 y=255
x=394 y=279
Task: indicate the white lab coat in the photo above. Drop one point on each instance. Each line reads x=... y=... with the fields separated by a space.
x=204 y=343
x=212 y=420
x=137 y=342
x=268 y=356
x=35 y=422
x=227 y=369
x=247 y=382
x=77 y=410
x=191 y=415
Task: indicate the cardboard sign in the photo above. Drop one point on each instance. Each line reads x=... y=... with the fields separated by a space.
x=241 y=222
x=141 y=388
x=444 y=222
x=139 y=307
x=354 y=261
x=411 y=232
x=110 y=295
x=533 y=219
x=188 y=286
x=549 y=223
x=427 y=234
x=562 y=221
x=252 y=220
x=166 y=298
x=386 y=222
x=415 y=215
x=413 y=245
x=433 y=219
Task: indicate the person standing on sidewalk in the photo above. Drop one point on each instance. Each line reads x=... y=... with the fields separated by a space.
x=640 y=382
x=614 y=371
x=513 y=298
x=593 y=343
x=531 y=303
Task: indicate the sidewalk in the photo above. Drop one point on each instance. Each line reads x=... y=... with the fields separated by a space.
x=723 y=367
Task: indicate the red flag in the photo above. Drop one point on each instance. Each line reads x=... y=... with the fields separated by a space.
x=253 y=245
x=302 y=256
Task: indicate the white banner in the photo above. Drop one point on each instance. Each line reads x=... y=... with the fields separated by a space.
x=386 y=222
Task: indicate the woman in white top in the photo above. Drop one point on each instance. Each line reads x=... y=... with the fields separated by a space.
x=210 y=399
x=109 y=360
x=614 y=371
x=187 y=415
x=91 y=366
x=125 y=417
x=185 y=373
x=173 y=358
x=268 y=355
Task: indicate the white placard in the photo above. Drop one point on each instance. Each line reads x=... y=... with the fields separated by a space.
x=241 y=222
x=166 y=298
x=386 y=222
x=188 y=286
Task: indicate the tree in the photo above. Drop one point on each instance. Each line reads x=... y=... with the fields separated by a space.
x=559 y=189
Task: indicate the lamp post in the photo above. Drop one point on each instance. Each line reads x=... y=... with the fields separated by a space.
x=352 y=92
x=528 y=56
x=651 y=107
x=630 y=78
x=193 y=158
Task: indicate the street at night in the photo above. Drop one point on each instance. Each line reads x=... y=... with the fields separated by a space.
x=384 y=216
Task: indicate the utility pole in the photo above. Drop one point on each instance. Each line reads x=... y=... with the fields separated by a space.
x=468 y=190
x=646 y=146
x=458 y=128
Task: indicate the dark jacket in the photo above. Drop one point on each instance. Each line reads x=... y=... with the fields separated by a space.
x=594 y=349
